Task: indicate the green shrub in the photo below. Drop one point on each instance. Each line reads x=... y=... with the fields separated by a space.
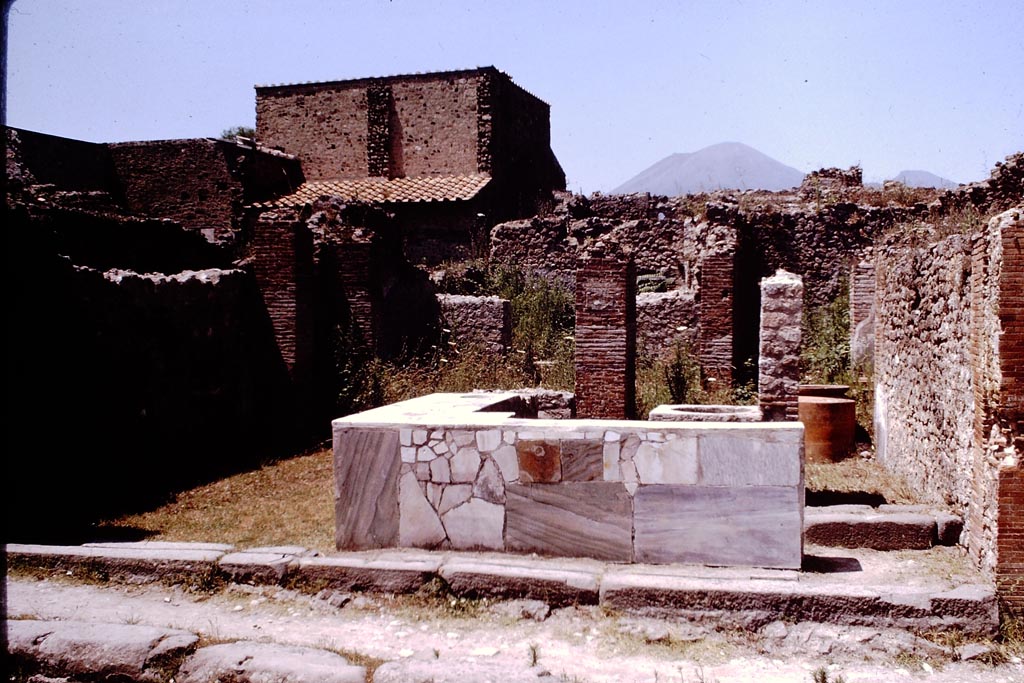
x=825 y=342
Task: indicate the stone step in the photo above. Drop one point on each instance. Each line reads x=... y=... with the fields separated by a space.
x=886 y=527
x=841 y=588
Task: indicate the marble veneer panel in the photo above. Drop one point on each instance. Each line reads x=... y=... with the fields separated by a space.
x=582 y=460
x=751 y=458
x=572 y=519
x=366 y=468
x=727 y=526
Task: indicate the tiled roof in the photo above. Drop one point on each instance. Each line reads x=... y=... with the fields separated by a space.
x=435 y=188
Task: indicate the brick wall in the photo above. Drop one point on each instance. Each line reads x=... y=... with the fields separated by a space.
x=606 y=337
x=715 y=340
x=282 y=251
x=782 y=297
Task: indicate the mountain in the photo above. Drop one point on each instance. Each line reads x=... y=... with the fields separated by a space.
x=924 y=179
x=728 y=165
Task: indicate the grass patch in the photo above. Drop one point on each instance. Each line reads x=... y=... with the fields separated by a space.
x=288 y=502
x=859 y=475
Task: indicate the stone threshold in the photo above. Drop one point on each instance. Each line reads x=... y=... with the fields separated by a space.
x=840 y=587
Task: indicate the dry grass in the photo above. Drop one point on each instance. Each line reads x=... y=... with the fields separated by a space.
x=859 y=474
x=289 y=502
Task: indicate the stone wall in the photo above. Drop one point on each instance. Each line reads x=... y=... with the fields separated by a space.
x=411 y=125
x=202 y=183
x=665 y=320
x=463 y=472
x=483 y=321
x=923 y=394
x=948 y=351
x=147 y=384
x=325 y=126
x=606 y=337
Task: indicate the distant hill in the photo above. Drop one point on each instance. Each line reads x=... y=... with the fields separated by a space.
x=924 y=179
x=725 y=166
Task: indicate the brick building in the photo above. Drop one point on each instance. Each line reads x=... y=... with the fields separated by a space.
x=449 y=153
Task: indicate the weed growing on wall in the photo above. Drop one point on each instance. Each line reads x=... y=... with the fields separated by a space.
x=825 y=341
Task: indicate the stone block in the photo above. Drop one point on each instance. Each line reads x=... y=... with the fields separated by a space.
x=354 y=573
x=510 y=580
x=419 y=525
x=366 y=467
x=948 y=528
x=669 y=462
x=540 y=462
x=572 y=519
x=583 y=460
x=726 y=526
x=258 y=568
x=476 y=524
x=753 y=458
x=894 y=531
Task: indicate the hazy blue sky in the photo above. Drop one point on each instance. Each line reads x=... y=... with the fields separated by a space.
x=935 y=85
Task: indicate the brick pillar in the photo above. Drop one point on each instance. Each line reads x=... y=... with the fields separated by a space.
x=1010 y=415
x=782 y=304
x=351 y=265
x=282 y=251
x=715 y=332
x=606 y=337
x=1010 y=542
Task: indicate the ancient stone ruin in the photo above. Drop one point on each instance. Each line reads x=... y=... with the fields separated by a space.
x=192 y=300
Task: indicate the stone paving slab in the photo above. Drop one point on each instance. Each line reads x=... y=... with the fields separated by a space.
x=250 y=662
x=98 y=651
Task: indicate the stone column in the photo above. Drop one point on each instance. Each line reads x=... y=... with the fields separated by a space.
x=606 y=337
x=782 y=303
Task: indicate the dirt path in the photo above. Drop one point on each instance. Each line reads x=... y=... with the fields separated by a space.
x=478 y=642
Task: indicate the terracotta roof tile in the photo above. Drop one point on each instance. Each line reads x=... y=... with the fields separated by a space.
x=389 y=191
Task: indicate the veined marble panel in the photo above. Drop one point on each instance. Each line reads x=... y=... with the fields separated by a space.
x=758 y=526
x=750 y=459
x=573 y=519
x=366 y=468
x=583 y=460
